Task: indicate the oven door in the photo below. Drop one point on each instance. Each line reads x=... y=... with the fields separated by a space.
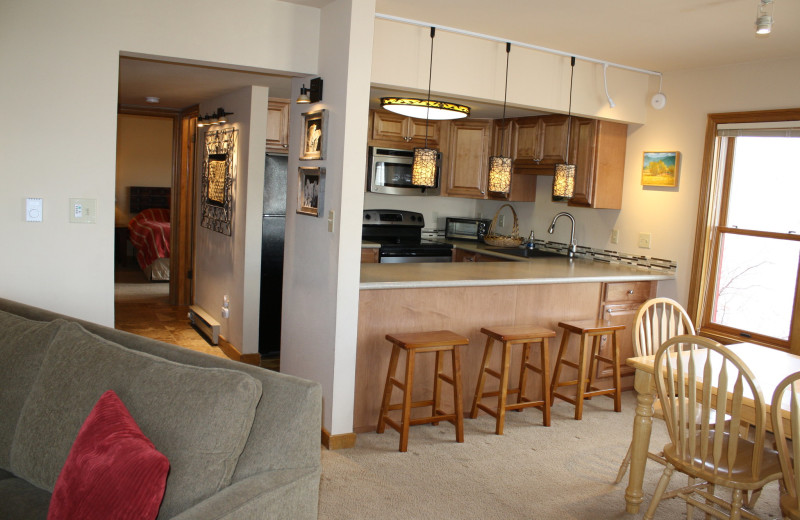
x=408 y=255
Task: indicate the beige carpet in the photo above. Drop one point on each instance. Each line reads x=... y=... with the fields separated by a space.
x=531 y=472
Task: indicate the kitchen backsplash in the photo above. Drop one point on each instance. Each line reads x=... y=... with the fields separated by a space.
x=611 y=257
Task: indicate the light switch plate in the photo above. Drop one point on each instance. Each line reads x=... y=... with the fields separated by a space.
x=615 y=236
x=33 y=209
x=83 y=211
x=331 y=221
x=644 y=240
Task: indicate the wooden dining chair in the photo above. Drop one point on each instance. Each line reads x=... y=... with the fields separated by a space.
x=787 y=453
x=657 y=320
x=699 y=377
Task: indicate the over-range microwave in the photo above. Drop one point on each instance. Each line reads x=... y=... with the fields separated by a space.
x=389 y=172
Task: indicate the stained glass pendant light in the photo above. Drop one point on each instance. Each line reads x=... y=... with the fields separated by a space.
x=564 y=179
x=423 y=169
x=500 y=166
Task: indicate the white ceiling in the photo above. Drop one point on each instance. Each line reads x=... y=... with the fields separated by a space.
x=659 y=35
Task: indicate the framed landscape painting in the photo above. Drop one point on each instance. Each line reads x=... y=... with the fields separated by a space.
x=660 y=169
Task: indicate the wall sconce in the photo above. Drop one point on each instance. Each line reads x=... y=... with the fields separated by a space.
x=217 y=118
x=311 y=95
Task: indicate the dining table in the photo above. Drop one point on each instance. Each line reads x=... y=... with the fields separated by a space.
x=769 y=366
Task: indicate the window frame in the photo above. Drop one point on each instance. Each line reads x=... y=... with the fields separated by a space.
x=712 y=208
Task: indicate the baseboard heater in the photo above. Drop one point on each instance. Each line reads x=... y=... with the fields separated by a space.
x=204 y=323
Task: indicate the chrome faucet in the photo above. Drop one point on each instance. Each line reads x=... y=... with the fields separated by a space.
x=572 y=244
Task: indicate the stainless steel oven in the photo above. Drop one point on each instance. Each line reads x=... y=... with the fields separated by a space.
x=390 y=173
x=399 y=234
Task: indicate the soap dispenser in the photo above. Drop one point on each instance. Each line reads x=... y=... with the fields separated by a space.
x=530 y=244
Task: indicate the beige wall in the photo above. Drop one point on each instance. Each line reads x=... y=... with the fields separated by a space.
x=144 y=158
x=231 y=265
x=60 y=65
x=322 y=269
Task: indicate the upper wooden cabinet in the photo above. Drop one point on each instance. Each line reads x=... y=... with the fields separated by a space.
x=597 y=149
x=540 y=142
x=465 y=165
x=397 y=131
x=278 y=126
x=504 y=142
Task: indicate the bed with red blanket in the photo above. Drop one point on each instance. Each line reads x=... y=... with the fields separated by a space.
x=149 y=232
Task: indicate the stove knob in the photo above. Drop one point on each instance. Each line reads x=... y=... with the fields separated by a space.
x=367 y=217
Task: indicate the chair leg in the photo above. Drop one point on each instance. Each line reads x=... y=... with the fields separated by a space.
x=487 y=354
x=437 y=387
x=689 y=507
x=581 y=377
x=457 y=399
x=617 y=379
x=544 y=359
x=557 y=372
x=387 y=391
x=407 y=401
x=623 y=468
x=502 y=394
x=736 y=504
x=660 y=488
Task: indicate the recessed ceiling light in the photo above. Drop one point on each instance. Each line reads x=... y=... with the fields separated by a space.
x=152 y=99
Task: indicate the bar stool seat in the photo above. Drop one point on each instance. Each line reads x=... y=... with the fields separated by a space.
x=514 y=335
x=440 y=342
x=594 y=329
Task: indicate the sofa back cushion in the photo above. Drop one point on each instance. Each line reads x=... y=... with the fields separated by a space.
x=23 y=345
x=199 y=418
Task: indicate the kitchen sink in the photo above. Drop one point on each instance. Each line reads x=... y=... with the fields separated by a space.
x=527 y=253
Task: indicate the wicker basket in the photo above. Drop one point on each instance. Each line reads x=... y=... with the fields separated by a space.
x=494 y=239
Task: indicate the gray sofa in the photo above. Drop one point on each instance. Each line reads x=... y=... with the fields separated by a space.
x=242 y=442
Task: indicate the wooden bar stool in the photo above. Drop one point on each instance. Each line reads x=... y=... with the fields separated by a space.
x=439 y=341
x=508 y=336
x=594 y=329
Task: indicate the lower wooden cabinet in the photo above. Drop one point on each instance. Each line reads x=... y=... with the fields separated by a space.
x=369 y=255
x=620 y=302
x=460 y=255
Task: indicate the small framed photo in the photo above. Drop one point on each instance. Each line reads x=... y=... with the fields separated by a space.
x=315 y=128
x=310 y=190
x=660 y=169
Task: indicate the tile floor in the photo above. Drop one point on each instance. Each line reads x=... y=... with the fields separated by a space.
x=143 y=308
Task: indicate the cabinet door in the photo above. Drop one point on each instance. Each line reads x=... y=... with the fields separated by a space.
x=467 y=158
x=504 y=138
x=582 y=154
x=388 y=126
x=528 y=142
x=619 y=314
x=415 y=132
x=553 y=131
x=278 y=126
x=504 y=142
x=460 y=255
x=369 y=255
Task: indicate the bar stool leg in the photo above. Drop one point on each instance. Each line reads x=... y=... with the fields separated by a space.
x=409 y=384
x=544 y=357
x=457 y=399
x=523 y=373
x=557 y=372
x=593 y=362
x=487 y=354
x=437 y=386
x=503 y=390
x=387 y=391
x=617 y=382
x=581 y=377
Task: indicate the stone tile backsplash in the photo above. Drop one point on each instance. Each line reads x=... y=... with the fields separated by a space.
x=611 y=257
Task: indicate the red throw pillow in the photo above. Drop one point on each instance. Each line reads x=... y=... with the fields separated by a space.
x=112 y=472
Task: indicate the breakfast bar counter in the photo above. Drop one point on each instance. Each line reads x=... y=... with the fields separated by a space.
x=465 y=296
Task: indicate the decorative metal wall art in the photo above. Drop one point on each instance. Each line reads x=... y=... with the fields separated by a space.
x=219 y=169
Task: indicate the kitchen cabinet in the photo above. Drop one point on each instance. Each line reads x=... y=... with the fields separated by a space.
x=397 y=131
x=597 y=149
x=540 y=143
x=523 y=187
x=460 y=255
x=369 y=255
x=278 y=126
x=620 y=302
x=466 y=158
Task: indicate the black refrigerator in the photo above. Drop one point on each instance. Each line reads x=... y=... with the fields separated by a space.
x=273 y=223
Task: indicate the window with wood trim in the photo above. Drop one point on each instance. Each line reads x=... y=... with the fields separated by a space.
x=747 y=249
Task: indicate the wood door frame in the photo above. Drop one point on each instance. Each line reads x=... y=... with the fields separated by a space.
x=184 y=130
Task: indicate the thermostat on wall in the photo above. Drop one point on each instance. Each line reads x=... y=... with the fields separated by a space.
x=33 y=209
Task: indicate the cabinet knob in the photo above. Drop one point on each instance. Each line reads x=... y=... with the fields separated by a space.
x=407 y=139
x=630 y=292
